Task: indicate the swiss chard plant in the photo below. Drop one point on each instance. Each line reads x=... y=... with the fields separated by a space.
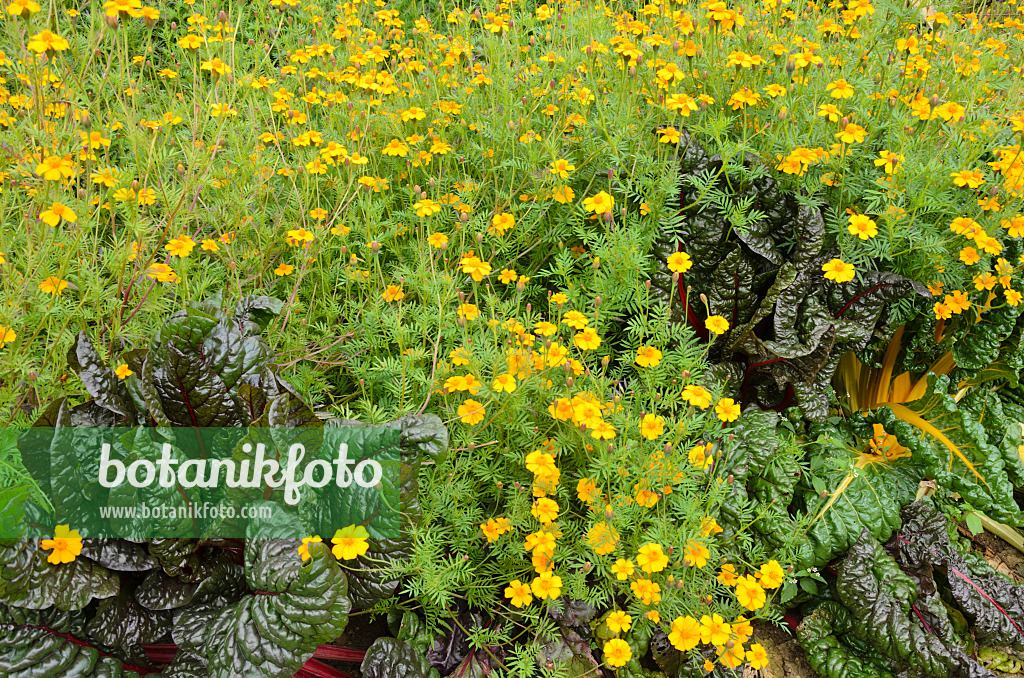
x=224 y=607
x=756 y=255
x=902 y=607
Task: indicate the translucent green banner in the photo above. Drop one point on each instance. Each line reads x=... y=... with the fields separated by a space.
x=208 y=483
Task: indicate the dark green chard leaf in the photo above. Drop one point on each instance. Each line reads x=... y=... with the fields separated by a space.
x=994 y=604
x=118 y=554
x=273 y=631
x=120 y=622
x=42 y=644
x=818 y=636
x=880 y=597
x=421 y=438
x=393 y=658
x=100 y=381
x=27 y=580
x=961 y=439
x=257 y=310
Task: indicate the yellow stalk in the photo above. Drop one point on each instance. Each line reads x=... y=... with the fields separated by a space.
x=913 y=418
x=891 y=352
x=835 y=495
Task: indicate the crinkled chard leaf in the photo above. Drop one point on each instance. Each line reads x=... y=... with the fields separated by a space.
x=830 y=658
x=121 y=622
x=100 y=381
x=393 y=658
x=28 y=580
x=39 y=644
x=118 y=554
x=293 y=608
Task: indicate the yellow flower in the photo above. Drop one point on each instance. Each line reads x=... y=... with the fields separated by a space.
x=55 y=168
x=393 y=293
x=45 y=41
x=652 y=426
x=7 y=336
x=350 y=542
x=471 y=412
x=602 y=538
x=494 y=528
x=544 y=510
x=838 y=270
x=749 y=593
x=714 y=630
x=57 y=212
x=180 y=247
x=757 y=656
x=518 y=594
x=123 y=372
x=561 y=168
x=862 y=226
x=468 y=311
x=600 y=203
x=53 y=285
x=304 y=548
x=66 y=545
x=646 y=591
x=546 y=585
x=852 y=134
x=648 y=356
x=942 y=311
x=504 y=382
x=727 y=575
x=507 y=276
x=679 y=262
x=840 y=89
x=771 y=575
x=617 y=652
x=622 y=569
x=437 y=240
x=210 y=245
x=587 y=340
x=727 y=410
x=717 y=324
x=501 y=223
x=618 y=622
x=23 y=8
x=685 y=633
x=283 y=270
x=697 y=396
x=697 y=554
x=969 y=178
x=651 y=558
x=475 y=268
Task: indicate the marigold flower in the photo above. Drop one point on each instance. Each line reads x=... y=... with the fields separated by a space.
x=618 y=621
x=685 y=634
x=727 y=410
x=749 y=593
x=717 y=324
x=304 y=547
x=587 y=340
x=617 y=652
x=66 y=545
x=53 y=285
x=651 y=558
x=600 y=203
x=697 y=553
x=518 y=594
x=772 y=575
x=852 y=134
x=475 y=268
x=7 y=336
x=546 y=585
x=679 y=262
x=648 y=356
x=697 y=396
x=647 y=591
x=45 y=41
x=471 y=412
x=757 y=656
x=652 y=426
x=839 y=271
x=862 y=226
x=350 y=542
x=122 y=371
x=623 y=569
